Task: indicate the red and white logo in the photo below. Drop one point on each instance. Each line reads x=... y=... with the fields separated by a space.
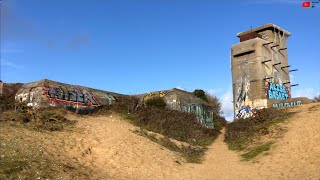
x=306 y=4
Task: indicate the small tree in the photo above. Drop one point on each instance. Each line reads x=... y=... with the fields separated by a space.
x=211 y=99
x=200 y=94
x=214 y=102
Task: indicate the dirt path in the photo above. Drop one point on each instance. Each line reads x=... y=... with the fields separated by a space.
x=294 y=156
x=220 y=163
x=109 y=146
x=109 y=149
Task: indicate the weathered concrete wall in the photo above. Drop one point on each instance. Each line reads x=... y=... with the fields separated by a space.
x=183 y=101
x=1 y=88
x=260 y=70
x=50 y=93
x=46 y=93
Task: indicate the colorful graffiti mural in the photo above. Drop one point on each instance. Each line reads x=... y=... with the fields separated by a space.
x=277 y=91
x=246 y=112
x=287 y=104
x=49 y=93
x=70 y=97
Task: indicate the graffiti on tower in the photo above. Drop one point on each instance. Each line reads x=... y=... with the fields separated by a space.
x=277 y=91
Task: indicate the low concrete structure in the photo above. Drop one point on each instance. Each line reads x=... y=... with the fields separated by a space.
x=46 y=93
x=184 y=101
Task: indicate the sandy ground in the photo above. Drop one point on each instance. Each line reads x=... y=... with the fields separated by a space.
x=109 y=149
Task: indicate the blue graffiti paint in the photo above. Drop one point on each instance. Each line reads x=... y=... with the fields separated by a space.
x=287 y=104
x=245 y=112
x=277 y=91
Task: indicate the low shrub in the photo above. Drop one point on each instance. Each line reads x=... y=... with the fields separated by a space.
x=156 y=102
x=240 y=133
x=174 y=124
x=50 y=119
x=200 y=94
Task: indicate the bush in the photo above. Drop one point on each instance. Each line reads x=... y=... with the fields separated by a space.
x=156 y=102
x=174 y=124
x=200 y=94
x=241 y=132
x=50 y=119
x=211 y=99
x=214 y=102
x=7 y=99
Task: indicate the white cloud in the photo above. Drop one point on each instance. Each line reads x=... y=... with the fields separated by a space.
x=182 y=88
x=305 y=92
x=227 y=105
x=6 y=63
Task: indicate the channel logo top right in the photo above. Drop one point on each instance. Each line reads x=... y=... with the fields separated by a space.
x=310 y=4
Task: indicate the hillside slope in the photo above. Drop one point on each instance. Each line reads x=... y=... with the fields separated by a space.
x=105 y=147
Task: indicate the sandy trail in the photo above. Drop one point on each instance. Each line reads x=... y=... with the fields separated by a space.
x=109 y=149
x=109 y=146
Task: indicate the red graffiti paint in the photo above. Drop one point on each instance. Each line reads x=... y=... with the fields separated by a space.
x=71 y=103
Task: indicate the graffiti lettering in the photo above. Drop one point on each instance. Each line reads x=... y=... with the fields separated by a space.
x=74 y=96
x=287 y=104
x=277 y=91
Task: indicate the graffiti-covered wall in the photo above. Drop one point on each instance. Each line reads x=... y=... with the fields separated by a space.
x=183 y=101
x=50 y=93
x=260 y=70
x=277 y=91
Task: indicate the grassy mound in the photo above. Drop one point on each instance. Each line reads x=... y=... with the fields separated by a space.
x=173 y=124
x=241 y=133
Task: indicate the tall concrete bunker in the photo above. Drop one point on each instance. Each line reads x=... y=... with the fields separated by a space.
x=260 y=69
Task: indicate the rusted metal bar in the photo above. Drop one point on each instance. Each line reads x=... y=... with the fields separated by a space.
x=285 y=67
x=267 y=43
x=266 y=60
x=293 y=70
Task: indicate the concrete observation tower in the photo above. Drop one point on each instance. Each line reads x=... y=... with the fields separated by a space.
x=260 y=69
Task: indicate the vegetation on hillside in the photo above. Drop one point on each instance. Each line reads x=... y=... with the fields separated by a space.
x=173 y=124
x=241 y=133
x=151 y=116
x=22 y=160
x=207 y=97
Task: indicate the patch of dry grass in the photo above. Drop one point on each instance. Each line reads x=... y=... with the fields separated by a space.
x=241 y=133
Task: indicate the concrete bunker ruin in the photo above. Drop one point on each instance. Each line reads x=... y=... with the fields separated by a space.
x=45 y=93
x=260 y=70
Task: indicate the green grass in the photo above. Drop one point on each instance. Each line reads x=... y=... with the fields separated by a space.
x=255 y=151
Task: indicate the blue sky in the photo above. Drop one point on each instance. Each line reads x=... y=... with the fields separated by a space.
x=137 y=46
